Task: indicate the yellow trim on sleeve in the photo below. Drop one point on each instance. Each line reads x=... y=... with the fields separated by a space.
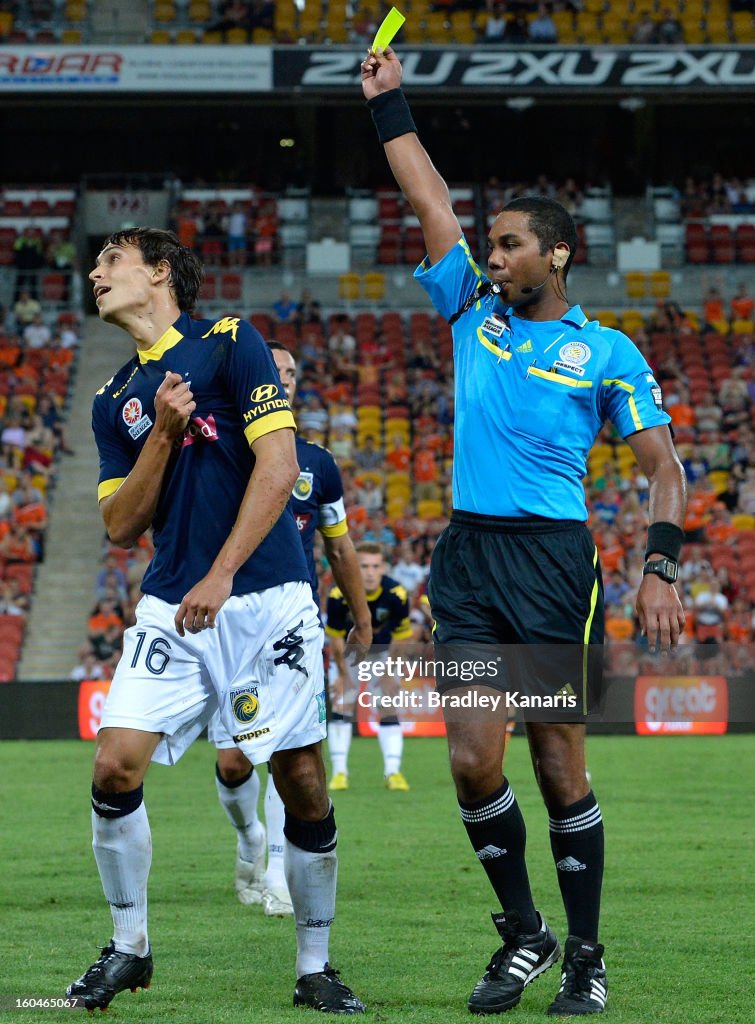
x=336 y=530
x=329 y=631
x=161 y=346
x=491 y=347
x=586 y=635
x=559 y=378
x=269 y=423
x=108 y=487
x=638 y=424
x=402 y=632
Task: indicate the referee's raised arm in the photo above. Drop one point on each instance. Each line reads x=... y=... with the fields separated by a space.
x=412 y=168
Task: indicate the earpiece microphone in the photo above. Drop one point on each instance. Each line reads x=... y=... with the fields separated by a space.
x=536 y=288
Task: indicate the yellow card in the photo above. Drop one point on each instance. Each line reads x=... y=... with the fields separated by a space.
x=392 y=22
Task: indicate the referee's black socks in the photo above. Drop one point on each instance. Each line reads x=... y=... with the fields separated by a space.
x=495 y=827
x=577 y=845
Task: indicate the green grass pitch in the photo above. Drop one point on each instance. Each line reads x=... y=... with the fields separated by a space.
x=412 y=934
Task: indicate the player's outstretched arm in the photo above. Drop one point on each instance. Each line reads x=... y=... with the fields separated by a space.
x=424 y=188
x=658 y=606
x=345 y=565
x=273 y=477
x=129 y=511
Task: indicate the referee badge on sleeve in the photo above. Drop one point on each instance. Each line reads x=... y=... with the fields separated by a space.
x=655 y=391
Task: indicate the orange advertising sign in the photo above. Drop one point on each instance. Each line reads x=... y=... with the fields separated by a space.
x=681 y=705
x=92 y=696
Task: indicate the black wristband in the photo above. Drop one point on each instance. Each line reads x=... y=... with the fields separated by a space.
x=665 y=539
x=391 y=115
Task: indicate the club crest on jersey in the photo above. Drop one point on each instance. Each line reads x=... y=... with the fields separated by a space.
x=245 y=704
x=575 y=353
x=135 y=419
x=304 y=485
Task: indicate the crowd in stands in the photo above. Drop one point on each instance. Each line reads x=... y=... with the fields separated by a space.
x=236 y=235
x=377 y=390
x=37 y=356
x=716 y=195
x=499 y=22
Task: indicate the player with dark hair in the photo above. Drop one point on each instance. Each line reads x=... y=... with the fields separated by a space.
x=317 y=504
x=196 y=441
x=388 y=603
x=535 y=380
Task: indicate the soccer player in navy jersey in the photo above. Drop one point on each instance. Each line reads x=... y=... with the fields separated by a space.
x=388 y=605
x=317 y=504
x=196 y=441
x=535 y=380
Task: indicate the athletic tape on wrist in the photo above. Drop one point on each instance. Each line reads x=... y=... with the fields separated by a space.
x=665 y=539
x=391 y=115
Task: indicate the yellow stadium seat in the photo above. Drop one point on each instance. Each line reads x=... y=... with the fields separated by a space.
x=631 y=320
x=660 y=284
x=71 y=37
x=40 y=482
x=348 y=286
x=373 y=286
x=186 y=37
x=396 y=507
x=237 y=36
x=717 y=28
x=160 y=37
x=199 y=12
x=607 y=318
x=432 y=508
x=75 y=11
x=367 y=412
x=743 y=521
x=635 y=283
x=164 y=12
x=742 y=26
x=742 y=326
x=718 y=479
x=212 y=38
x=693 y=318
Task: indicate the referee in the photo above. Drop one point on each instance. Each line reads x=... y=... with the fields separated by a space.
x=535 y=381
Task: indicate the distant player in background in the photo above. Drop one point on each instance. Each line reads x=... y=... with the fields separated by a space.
x=197 y=442
x=389 y=608
x=317 y=504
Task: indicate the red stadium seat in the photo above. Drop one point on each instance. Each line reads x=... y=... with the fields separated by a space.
x=230 y=287
x=23 y=574
x=262 y=322
x=54 y=287
x=209 y=288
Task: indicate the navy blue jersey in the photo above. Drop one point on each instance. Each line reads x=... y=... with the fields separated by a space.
x=389 y=611
x=317 y=501
x=532 y=396
x=239 y=398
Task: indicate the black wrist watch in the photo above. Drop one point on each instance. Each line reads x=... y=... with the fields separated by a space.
x=666 y=568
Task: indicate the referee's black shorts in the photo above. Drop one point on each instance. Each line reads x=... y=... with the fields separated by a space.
x=527 y=582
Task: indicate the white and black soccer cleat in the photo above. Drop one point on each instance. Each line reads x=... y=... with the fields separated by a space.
x=584 y=988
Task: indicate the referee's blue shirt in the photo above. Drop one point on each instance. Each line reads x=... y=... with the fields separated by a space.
x=531 y=397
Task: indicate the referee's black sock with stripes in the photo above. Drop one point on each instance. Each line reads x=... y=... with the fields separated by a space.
x=577 y=845
x=495 y=827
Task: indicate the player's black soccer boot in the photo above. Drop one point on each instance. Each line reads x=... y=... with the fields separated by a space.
x=326 y=992
x=584 y=988
x=520 y=960
x=112 y=973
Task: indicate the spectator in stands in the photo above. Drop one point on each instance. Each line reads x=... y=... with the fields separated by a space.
x=730 y=497
x=6 y=501
x=644 y=32
x=714 y=311
x=496 y=25
x=407 y=570
x=542 y=28
x=313 y=416
x=747 y=492
x=212 y=224
x=708 y=413
x=28 y=258
x=343 y=416
x=710 y=610
x=61 y=252
x=616 y=588
x=265 y=231
x=25 y=309
x=40 y=447
x=341 y=341
x=369 y=493
x=368 y=456
x=87 y=668
x=341 y=444
x=18 y=545
x=13 y=439
x=742 y=304
x=284 y=308
x=620 y=627
x=12 y=601
x=233 y=14
x=111 y=577
x=308 y=309
x=37 y=334
x=236 y=240
x=263 y=14
x=734 y=399
x=669 y=30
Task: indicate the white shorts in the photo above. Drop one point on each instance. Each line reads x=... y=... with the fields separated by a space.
x=260 y=667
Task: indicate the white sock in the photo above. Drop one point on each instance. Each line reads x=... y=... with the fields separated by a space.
x=339 y=741
x=123 y=851
x=275 y=814
x=311 y=878
x=391 y=740
x=240 y=804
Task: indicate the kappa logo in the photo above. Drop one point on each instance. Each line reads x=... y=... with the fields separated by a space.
x=245 y=704
x=229 y=324
x=132 y=412
x=264 y=393
x=292 y=645
x=255 y=734
x=490 y=852
x=304 y=486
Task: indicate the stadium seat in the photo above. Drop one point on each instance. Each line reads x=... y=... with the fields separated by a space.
x=199 y=12
x=164 y=12
x=432 y=508
x=160 y=37
x=660 y=284
x=23 y=574
x=54 y=287
x=373 y=286
x=348 y=286
x=231 y=287
x=208 y=289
